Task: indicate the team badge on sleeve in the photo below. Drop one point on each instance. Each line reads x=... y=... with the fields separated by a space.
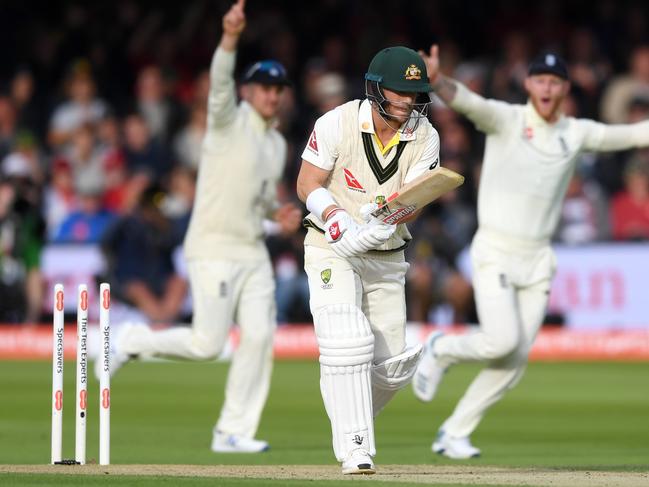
x=313 y=143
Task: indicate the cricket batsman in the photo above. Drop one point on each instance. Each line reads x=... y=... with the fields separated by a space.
x=358 y=155
x=529 y=158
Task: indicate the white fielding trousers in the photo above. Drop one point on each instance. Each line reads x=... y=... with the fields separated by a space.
x=225 y=292
x=511 y=282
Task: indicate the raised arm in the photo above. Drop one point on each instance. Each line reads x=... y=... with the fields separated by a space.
x=222 y=101
x=445 y=88
x=488 y=115
x=602 y=137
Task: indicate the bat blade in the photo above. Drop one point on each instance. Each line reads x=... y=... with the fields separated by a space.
x=416 y=194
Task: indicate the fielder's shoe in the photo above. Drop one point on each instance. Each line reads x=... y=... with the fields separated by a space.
x=358 y=462
x=117 y=357
x=429 y=372
x=225 y=443
x=455 y=448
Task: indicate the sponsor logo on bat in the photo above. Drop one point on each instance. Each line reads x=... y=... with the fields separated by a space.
x=399 y=215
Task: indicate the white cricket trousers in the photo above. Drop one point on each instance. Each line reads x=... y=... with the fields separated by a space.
x=511 y=281
x=375 y=285
x=225 y=292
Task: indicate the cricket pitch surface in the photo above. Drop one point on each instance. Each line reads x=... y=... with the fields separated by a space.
x=421 y=474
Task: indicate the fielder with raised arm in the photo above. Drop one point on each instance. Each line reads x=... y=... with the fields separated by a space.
x=529 y=158
x=358 y=155
x=230 y=272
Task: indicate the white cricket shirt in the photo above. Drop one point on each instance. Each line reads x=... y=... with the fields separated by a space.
x=242 y=159
x=529 y=162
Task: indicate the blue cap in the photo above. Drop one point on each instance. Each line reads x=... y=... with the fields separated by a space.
x=549 y=63
x=267 y=72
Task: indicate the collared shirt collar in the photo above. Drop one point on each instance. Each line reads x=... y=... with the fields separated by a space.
x=366 y=124
x=533 y=117
x=257 y=120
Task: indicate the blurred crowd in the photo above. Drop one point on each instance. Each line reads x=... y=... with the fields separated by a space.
x=103 y=108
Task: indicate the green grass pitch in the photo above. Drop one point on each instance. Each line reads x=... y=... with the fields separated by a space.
x=562 y=415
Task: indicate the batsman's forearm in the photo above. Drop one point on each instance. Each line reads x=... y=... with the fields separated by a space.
x=445 y=88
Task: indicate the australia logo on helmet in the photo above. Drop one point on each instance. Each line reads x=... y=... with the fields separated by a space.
x=413 y=72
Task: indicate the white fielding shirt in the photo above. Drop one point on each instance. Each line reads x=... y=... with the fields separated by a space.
x=242 y=159
x=528 y=162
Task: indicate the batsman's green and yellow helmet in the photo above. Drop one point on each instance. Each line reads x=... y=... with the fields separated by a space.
x=399 y=68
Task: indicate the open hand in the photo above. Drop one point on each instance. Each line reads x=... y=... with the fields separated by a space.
x=289 y=218
x=432 y=62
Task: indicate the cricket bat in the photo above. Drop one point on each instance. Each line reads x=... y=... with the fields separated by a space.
x=416 y=194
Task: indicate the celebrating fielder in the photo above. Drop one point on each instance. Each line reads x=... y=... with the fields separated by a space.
x=529 y=159
x=359 y=154
x=229 y=268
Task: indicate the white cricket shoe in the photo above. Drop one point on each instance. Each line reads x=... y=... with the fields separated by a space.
x=429 y=372
x=225 y=443
x=117 y=356
x=455 y=448
x=358 y=462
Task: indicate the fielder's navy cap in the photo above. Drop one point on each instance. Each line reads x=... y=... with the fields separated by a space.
x=549 y=63
x=267 y=72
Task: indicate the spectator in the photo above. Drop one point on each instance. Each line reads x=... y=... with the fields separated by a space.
x=141 y=151
x=188 y=142
x=85 y=156
x=81 y=106
x=584 y=215
x=7 y=126
x=630 y=208
x=160 y=112
x=139 y=249
x=59 y=199
x=29 y=113
x=21 y=241
x=89 y=222
x=624 y=88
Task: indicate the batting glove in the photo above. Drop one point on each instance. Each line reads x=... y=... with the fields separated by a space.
x=347 y=239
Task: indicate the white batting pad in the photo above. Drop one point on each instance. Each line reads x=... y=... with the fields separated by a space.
x=393 y=374
x=346 y=347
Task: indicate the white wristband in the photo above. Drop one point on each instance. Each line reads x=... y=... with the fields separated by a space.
x=318 y=201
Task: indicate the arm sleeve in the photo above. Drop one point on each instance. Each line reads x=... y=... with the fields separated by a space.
x=489 y=116
x=222 y=101
x=429 y=159
x=602 y=137
x=269 y=194
x=322 y=148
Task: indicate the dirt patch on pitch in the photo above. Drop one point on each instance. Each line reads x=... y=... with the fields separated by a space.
x=422 y=474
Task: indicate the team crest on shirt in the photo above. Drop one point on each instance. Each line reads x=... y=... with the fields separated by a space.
x=528 y=133
x=413 y=72
x=325 y=275
x=352 y=182
x=312 y=145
